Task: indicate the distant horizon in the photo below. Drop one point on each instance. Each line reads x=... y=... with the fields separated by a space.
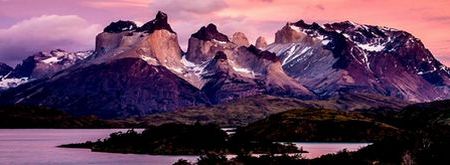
x=72 y=25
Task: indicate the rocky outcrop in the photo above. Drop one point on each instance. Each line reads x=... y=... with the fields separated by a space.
x=154 y=42
x=210 y=32
x=225 y=84
x=261 y=43
x=120 y=26
x=240 y=39
x=290 y=33
x=205 y=43
x=266 y=67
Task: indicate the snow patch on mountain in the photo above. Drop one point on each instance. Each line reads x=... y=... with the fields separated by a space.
x=190 y=67
x=295 y=28
x=246 y=71
x=6 y=83
x=61 y=56
x=149 y=60
x=372 y=47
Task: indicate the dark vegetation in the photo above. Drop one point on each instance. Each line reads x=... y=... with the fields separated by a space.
x=424 y=137
x=180 y=139
x=20 y=116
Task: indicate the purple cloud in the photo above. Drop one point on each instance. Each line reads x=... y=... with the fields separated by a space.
x=46 y=32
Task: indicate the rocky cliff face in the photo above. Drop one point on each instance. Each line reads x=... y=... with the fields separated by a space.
x=225 y=84
x=348 y=57
x=205 y=43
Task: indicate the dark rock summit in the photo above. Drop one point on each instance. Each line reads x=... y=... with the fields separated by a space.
x=263 y=54
x=160 y=22
x=210 y=32
x=25 y=69
x=206 y=42
x=120 y=26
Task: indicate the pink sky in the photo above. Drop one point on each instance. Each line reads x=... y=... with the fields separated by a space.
x=32 y=25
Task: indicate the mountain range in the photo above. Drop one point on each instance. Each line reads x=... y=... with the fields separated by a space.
x=137 y=71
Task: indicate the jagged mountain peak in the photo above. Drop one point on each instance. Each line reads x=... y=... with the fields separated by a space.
x=161 y=16
x=155 y=42
x=304 y=25
x=160 y=22
x=263 y=54
x=240 y=39
x=210 y=32
x=261 y=42
x=206 y=42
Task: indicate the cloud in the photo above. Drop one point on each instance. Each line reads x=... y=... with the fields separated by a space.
x=444 y=19
x=117 y=3
x=182 y=9
x=263 y=0
x=43 y=33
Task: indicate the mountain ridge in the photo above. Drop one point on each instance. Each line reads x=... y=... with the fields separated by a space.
x=341 y=56
x=306 y=61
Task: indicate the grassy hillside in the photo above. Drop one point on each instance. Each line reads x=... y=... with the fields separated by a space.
x=234 y=113
x=318 y=125
x=247 y=110
x=231 y=114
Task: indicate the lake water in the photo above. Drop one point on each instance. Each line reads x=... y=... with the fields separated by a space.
x=38 y=146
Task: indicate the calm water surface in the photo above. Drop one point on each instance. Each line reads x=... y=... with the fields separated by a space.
x=38 y=146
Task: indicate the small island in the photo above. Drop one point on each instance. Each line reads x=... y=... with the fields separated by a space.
x=181 y=139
